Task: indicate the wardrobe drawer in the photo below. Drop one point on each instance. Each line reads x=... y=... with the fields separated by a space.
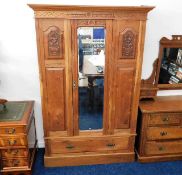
x=156 y=133
x=168 y=147
x=13 y=141
x=18 y=162
x=9 y=153
x=98 y=144
x=164 y=119
x=12 y=130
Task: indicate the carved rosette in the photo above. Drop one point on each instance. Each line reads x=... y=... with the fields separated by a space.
x=53 y=41
x=128 y=40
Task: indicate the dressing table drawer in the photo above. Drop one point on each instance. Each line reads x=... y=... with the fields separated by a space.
x=164 y=119
x=162 y=133
x=168 y=147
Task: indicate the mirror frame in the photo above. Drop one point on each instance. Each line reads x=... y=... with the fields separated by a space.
x=175 y=42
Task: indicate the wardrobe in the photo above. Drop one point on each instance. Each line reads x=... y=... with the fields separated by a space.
x=90 y=60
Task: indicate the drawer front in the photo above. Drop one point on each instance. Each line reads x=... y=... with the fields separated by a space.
x=19 y=162
x=159 y=133
x=12 y=130
x=157 y=148
x=97 y=144
x=164 y=119
x=10 y=153
x=13 y=141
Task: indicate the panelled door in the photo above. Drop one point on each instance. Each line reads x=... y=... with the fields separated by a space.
x=124 y=87
x=56 y=81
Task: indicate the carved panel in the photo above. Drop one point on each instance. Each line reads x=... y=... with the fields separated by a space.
x=53 y=43
x=91 y=22
x=90 y=15
x=128 y=41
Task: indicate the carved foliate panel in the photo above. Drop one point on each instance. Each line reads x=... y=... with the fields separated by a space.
x=128 y=41
x=53 y=43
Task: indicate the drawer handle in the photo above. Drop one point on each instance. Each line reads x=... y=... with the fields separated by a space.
x=10 y=131
x=165 y=119
x=16 y=162
x=163 y=133
x=110 y=145
x=161 y=148
x=11 y=142
x=70 y=146
x=13 y=152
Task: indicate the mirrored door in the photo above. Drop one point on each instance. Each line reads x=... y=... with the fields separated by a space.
x=91 y=71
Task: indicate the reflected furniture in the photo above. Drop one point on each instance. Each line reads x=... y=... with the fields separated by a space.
x=160 y=129
x=17 y=138
x=57 y=41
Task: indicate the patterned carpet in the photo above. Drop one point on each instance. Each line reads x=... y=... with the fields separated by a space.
x=135 y=168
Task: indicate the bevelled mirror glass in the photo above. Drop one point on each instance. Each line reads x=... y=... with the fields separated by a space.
x=170 y=63
x=91 y=66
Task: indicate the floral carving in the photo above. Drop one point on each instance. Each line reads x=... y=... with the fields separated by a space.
x=128 y=44
x=54 y=43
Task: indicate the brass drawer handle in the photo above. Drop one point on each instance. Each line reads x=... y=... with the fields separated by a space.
x=16 y=162
x=110 y=145
x=161 y=148
x=165 y=119
x=11 y=142
x=70 y=146
x=163 y=133
x=10 y=130
x=13 y=152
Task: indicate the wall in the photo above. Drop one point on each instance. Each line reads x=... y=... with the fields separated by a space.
x=19 y=76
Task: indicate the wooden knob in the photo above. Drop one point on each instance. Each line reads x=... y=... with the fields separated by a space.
x=3 y=101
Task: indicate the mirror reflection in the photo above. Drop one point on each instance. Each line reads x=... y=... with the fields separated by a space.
x=91 y=61
x=171 y=66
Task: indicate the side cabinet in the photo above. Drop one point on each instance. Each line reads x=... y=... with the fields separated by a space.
x=58 y=52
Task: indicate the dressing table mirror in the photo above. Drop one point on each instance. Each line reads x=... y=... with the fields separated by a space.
x=169 y=70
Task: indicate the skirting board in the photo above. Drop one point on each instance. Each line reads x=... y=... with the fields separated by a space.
x=145 y=159
x=87 y=159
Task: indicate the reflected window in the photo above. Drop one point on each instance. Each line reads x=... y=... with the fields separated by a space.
x=171 y=66
x=91 y=66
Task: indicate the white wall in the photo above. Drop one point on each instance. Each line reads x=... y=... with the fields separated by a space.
x=19 y=77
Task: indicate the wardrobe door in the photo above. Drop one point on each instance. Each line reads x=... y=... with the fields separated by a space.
x=125 y=40
x=92 y=53
x=53 y=35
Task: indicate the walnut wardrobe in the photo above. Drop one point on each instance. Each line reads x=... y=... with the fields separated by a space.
x=90 y=60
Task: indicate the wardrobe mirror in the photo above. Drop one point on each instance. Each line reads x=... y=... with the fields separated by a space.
x=170 y=63
x=91 y=66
